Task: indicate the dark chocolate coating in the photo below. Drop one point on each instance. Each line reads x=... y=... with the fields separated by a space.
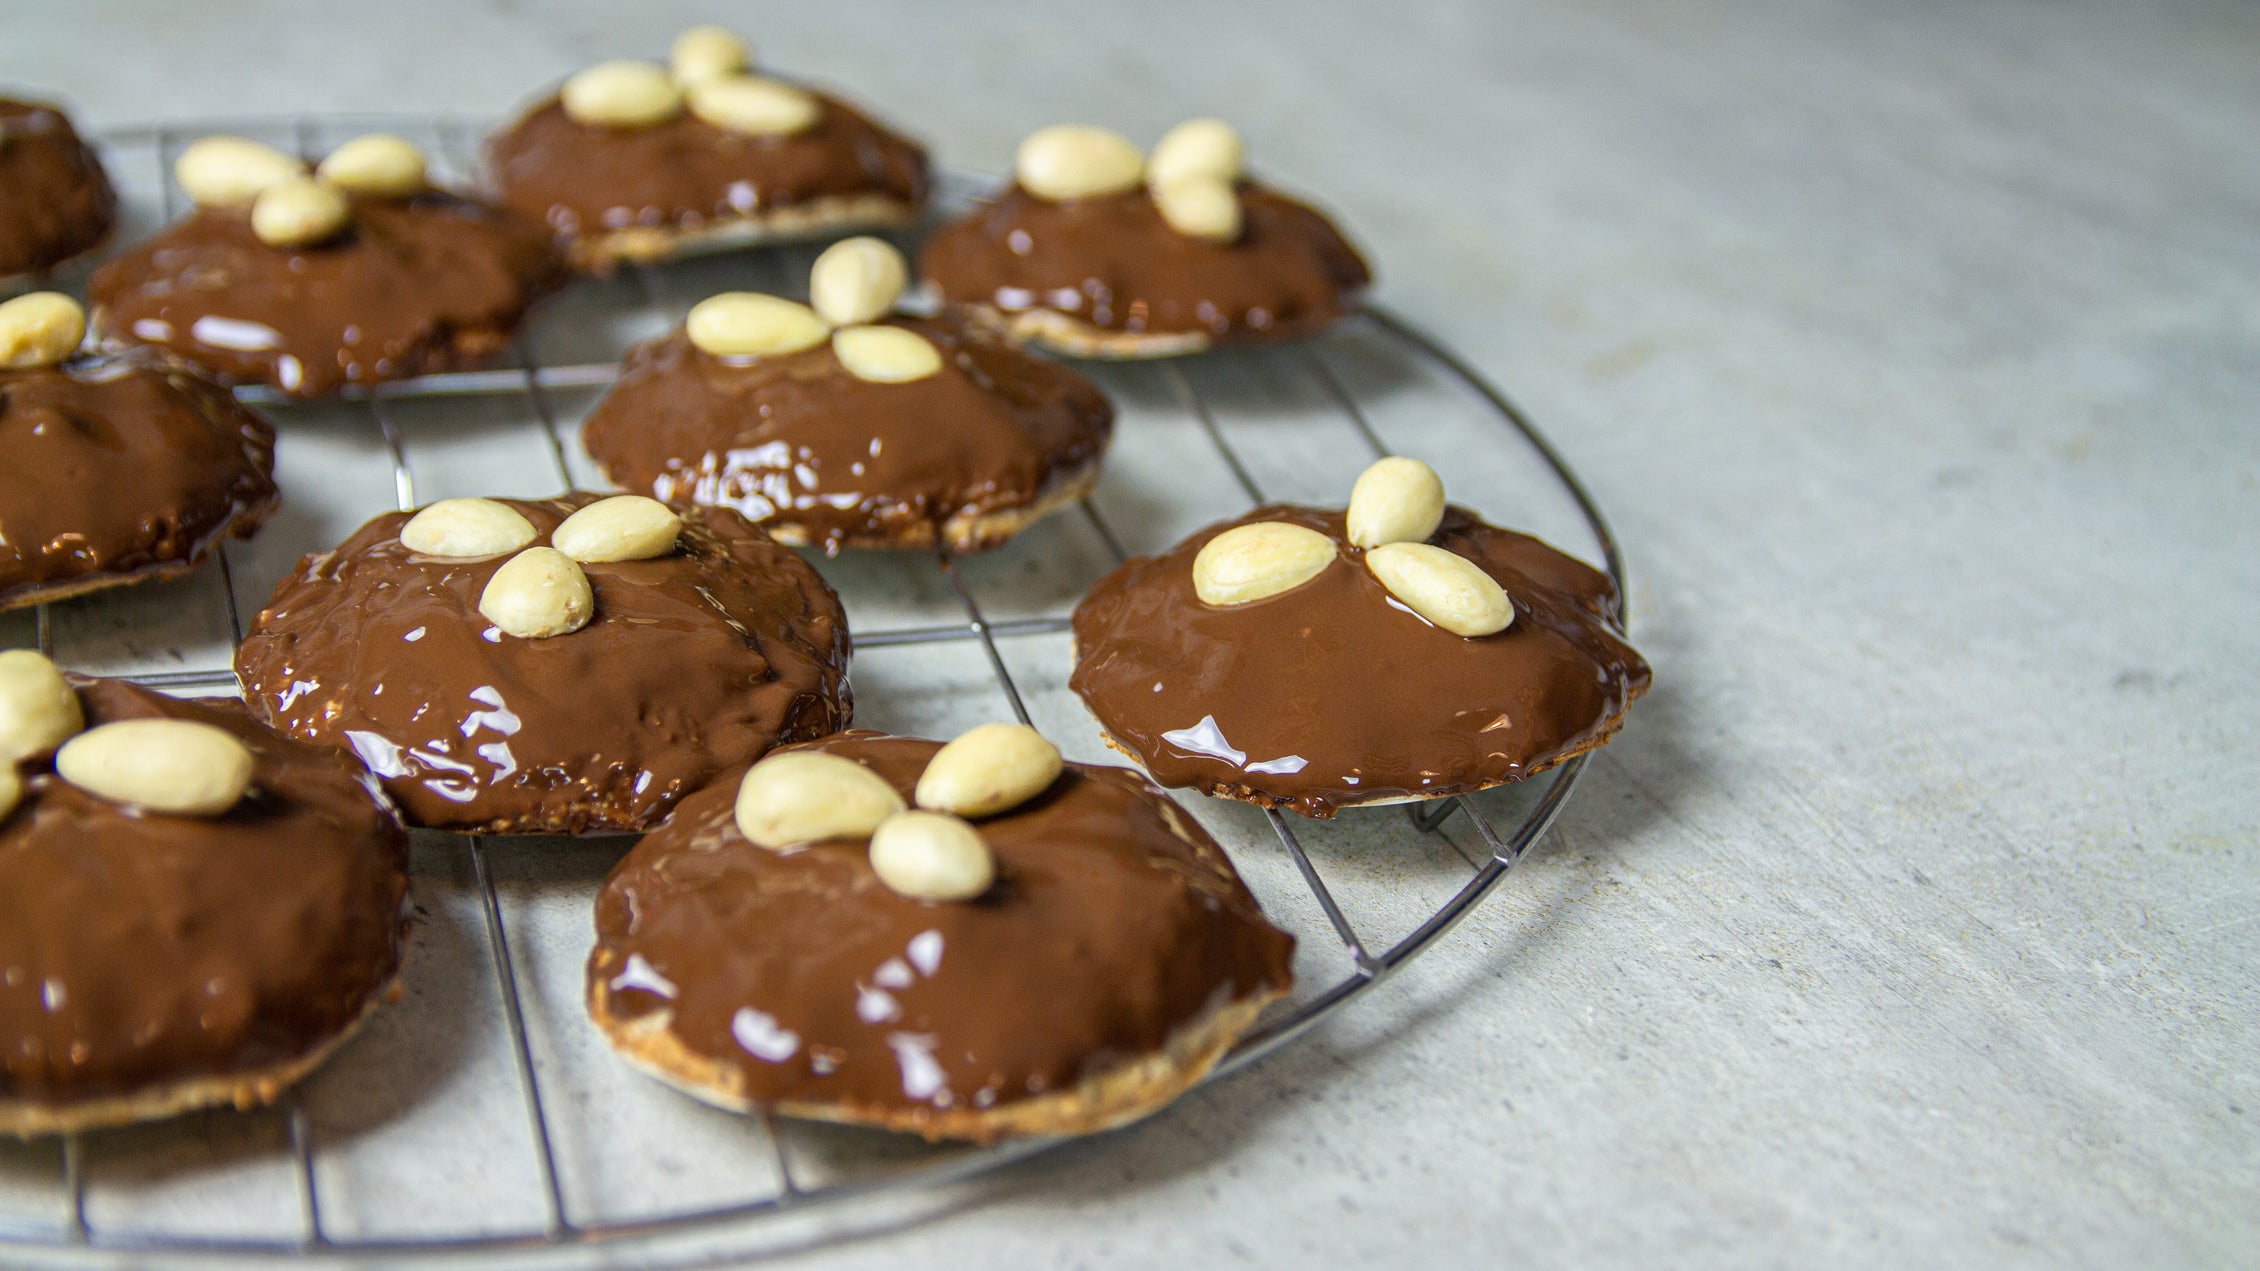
x=1105 y=933
x=55 y=200
x=139 y=949
x=1333 y=694
x=695 y=662
x=799 y=439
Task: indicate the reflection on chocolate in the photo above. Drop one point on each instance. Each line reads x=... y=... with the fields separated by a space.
x=55 y=201
x=805 y=975
x=140 y=950
x=799 y=441
x=686 y=174
x=695 y=662
x=121 y=468
x=1112 y=262
x=1332 y=694
x=433 y=283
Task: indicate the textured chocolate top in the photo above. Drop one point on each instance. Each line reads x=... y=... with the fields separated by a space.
x=433 y=283
x=695 y=662
x=138 y=949
x=1334 y=694
x=1115 y=921
x=55 y=201
x=119 y=466
x=1114 y=263
x=797 y=440
x=587 y=179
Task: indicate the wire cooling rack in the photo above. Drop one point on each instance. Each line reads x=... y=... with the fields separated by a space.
x=480 y=1115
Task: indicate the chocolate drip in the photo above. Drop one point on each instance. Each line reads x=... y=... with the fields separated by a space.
x=1333 y=694
x=55 y=200
x=121 y=466
x=1114 y=263
x=799 y=440
x=695 y=661
x=138 y=950
x=801 y=972
x=432 y=283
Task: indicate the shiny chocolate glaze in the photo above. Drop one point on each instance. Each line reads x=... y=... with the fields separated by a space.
x=138 y=950
x=585 y=179
x=1334 y=694
x=120 y=466
x=1113 y=263
x=432 y=283
x=1105 y=933
x=797 y=439
x=695 y=662
x=55 y=200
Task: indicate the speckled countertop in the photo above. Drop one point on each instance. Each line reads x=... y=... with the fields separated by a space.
x=1915 y=352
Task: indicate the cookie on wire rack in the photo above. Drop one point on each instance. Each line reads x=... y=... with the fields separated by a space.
x=849 y=424
x=1314 y=660
x=633 y=162
x=971 y=941
x=1096 y=250
x=195 y=911
x=56 y=202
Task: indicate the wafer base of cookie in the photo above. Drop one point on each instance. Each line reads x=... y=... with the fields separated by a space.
x=818 y=218
x=242 y=527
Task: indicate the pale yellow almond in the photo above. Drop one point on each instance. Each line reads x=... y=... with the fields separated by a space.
x=299 y=212
x=988 y=769
x=1397 y=500
x=704 y=52
x=1077 y=161
x=538 y=594
x=621 y=95
x=38 y=708
x=857 y=280
x=376 y=164
x=932 y=856
x=175 y=766
x=885 y=355
x=228 y=171
x=467 y=528
x=1197 y=148
x=749 y=324
x=42 y=328
x=806 y=796
x=1444 y=587
x=623 y=527
x=754 y=106
x=1259 y=559
x=1200 y=207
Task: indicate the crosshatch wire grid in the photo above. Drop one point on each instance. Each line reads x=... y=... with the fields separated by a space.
x=482 y=1113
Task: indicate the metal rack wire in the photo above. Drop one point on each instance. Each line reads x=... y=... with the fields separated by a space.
x=535 y=382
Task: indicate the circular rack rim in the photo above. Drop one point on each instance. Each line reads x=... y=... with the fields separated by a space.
x=1369 y=968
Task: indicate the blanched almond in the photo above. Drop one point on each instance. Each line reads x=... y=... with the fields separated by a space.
x=805 y=796
x=987 y=770
x=1444 y=587
x=623 y=527
x=227 y=171
x=753 y=105
x=175 y=766
x=704 y=52
x=621 y=95
x=299 y=212
x=38 y=708
x=885 y=355
x=857 y=280
x=1397 y=500
x=1077 y=161
x=1197 y=148
x=466 y=528
x=1262 y=558
x=1200 y=207
x=377 y=164
x=932 y=856
x=537 y=594
x=749 y=324
x=40 y=329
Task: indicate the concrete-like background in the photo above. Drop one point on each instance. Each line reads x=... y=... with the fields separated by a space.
x=1914 y=350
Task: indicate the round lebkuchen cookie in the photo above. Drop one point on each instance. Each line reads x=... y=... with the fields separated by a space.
x=1314 y=660
x=353 y=274
x=630 y=161
x=1097 y=251
x=553 y=665
x=194 y=910
x=55 y=200
x=122 y=468
x=845 y=425
x=1038 y=949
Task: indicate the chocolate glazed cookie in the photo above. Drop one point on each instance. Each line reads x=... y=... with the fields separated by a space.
x=122 y=469
x=55 y=200
x=1333 y=693
x=1111 y=962
x=153 y=963
x=689 y=663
